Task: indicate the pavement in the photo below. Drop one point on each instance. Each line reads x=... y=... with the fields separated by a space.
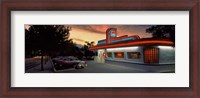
x=108 y=67
x=36 y=67
x=116 y=67
x=146 y=68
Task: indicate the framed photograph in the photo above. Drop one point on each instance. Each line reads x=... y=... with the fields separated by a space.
x=100 y=48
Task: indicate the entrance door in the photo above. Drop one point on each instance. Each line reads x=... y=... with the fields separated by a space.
x=151 y=55
x=100 y=57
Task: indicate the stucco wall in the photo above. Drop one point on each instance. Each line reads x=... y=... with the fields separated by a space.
x=99 y=58
x=167 y=55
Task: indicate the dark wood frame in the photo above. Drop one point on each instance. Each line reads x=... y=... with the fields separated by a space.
x=99 y=5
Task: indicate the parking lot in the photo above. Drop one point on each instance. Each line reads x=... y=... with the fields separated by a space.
x=117 y=67
x=108 y=67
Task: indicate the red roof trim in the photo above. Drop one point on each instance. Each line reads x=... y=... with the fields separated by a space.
x=134 y=43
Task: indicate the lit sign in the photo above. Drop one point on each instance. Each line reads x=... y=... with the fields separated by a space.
x=104 y=55
x=119 y=55
x=122 y=49
x=112 y=33
x=166 y=47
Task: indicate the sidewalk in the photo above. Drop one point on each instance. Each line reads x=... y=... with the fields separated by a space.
x=48 y=68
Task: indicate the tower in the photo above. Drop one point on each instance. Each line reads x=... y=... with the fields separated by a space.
x=110 y=33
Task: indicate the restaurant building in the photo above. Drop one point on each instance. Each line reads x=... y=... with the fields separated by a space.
x=133 y=49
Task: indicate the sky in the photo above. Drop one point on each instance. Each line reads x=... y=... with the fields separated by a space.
x=81 y=33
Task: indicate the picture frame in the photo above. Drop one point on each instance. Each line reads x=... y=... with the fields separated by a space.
x=100 y=5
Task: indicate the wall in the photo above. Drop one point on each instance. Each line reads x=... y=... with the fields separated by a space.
x=125 y=50
x=99 y=58
x=166 y=55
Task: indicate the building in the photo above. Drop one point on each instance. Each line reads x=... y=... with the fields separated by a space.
x=133 y=49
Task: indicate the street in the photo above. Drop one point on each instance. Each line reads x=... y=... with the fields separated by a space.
x=117 y=67
x=108 y=67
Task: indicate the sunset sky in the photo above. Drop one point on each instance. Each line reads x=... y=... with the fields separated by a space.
x=82 y=33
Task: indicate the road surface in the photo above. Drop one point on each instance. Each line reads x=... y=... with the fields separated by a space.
x=108 y=67
x=94 y=67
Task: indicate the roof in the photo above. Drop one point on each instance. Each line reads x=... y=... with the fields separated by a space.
x=119 y=39
x=139 y=42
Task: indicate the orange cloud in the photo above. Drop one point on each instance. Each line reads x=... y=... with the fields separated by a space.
x=80 y=36
x=82 y=33
x=99 y=28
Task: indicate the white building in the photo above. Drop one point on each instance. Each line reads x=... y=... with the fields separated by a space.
x=132 y=49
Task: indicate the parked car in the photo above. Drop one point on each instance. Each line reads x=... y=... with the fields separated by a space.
x=61 y=63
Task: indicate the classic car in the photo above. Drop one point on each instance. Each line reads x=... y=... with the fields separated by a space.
x=68 y=62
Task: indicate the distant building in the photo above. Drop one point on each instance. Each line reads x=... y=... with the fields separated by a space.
x=133 y=49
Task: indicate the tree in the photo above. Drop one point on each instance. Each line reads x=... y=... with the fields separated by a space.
x=88 y=54
x=43 y=39
x=162 y=31
x=90 y=44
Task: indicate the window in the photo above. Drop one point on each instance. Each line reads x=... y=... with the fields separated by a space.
x=119 y=54
x=133 y=55
x=151 y=55
x=95 y=53
x=109 y=54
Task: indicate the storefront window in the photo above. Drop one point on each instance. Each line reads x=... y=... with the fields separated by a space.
x=119 y=54
x=133 y=55
x=95 y=53
x=109 y=54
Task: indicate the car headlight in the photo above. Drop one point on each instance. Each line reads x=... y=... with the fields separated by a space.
x=79 y=65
